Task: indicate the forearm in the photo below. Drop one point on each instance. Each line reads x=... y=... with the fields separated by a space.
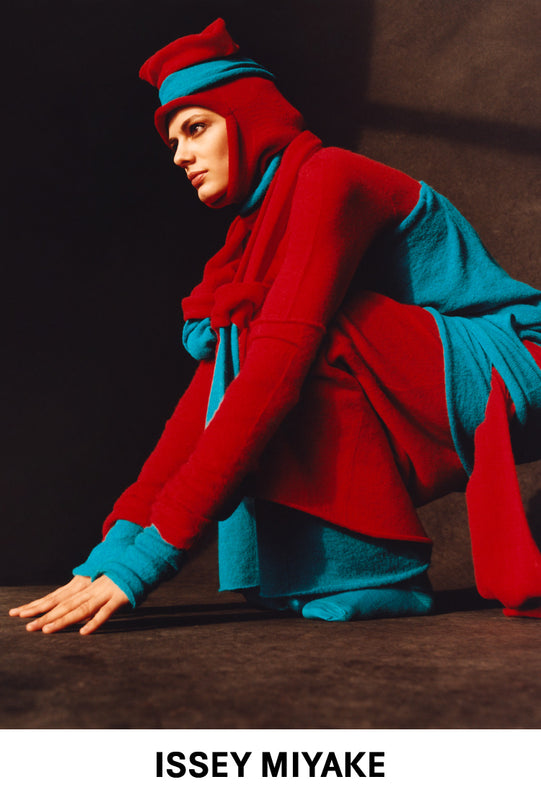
x=177 y=441
x=229 y=449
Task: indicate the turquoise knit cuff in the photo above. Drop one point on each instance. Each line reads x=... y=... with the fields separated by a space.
x=119 y=537
x=143 y=564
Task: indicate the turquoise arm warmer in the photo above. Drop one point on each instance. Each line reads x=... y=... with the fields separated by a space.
x=143 y=564
x=120 y=536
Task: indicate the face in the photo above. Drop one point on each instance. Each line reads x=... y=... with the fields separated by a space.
x=198 y=139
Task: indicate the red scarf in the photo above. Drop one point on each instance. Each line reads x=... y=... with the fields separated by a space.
x=237 y=278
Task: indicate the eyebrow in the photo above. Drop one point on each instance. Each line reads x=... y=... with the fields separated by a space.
x=186 y=124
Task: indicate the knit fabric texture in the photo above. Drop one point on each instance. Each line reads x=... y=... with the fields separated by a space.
x=122 y=534
x=395 y=601
x=437 y=260
x=301 y=555
x=207 y=74
x=142 y=565
x=136 y=559
x=237 y=534
x=285 y=552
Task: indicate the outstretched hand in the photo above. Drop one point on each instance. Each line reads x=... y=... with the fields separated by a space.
x=79 y=600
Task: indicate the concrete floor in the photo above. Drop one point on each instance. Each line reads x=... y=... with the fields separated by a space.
x=192 y=658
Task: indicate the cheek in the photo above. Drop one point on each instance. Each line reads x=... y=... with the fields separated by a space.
x=225 y=168
x=224 y=158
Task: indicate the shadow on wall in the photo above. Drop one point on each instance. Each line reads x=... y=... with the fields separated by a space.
x=321 y=59
x=446 y=125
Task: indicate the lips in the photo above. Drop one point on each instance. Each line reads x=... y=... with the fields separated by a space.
x=196 y=178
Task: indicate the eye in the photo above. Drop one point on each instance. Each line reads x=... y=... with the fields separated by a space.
x=196 y=128
x=173 y=148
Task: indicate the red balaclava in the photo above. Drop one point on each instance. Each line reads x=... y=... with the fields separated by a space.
x=260 y=121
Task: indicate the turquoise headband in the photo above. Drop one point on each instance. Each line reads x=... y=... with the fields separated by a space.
x=207 y=74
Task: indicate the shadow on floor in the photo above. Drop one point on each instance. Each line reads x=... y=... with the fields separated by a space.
x=452 y=600
x=180 y=616
x=185 y=616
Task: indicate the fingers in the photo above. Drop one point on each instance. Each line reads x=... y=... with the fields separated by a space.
x=95 y=603
x=49 y=601
x=101 y=616
x=61 y=616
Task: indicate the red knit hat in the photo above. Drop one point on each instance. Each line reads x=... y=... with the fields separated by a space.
x=204 y=70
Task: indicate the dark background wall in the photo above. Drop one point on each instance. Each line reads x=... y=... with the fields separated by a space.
x=103 y=237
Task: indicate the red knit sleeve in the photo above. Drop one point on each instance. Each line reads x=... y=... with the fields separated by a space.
x=340 y=203
x=177 y=441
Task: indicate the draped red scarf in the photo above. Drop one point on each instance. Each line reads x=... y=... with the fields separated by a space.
x=237 y=278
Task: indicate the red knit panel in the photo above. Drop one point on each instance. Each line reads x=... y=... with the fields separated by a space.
x=213 y=42
x=370 y=436
x=507 y=560
x=177 y=441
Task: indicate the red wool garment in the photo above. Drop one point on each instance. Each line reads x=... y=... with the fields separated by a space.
x=339 y=409
x=340 y=406
x=323 y=209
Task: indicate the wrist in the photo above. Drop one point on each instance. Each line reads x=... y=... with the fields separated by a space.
x=121 y=535
x=143 y=564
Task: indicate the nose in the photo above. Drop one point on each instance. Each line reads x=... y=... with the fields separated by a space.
x=183 y=156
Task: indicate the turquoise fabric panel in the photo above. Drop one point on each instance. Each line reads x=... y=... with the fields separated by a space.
x=199 y=339
x=238 y=558
x=207 y=74
x=301 y=555
x=238 y=553
x=390 y=601
x=435 y=259
x=472 y=347
x=289 y=553
x=296 y=554
x=226 y=367
x=259 y=193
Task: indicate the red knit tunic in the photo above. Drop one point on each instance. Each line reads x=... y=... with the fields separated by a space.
x=314 y=309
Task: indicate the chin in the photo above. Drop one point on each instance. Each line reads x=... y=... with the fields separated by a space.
x=211 y=198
